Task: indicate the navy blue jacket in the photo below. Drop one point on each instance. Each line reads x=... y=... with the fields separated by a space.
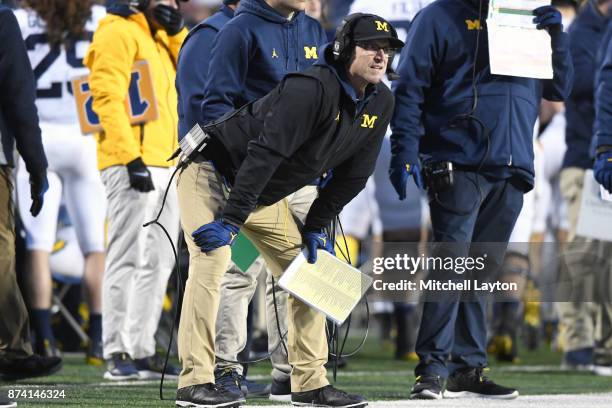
x=585 y=33
x=192 y=68
x=253 y=52
x=18 y=114
x=603 y=94
x=436 y=88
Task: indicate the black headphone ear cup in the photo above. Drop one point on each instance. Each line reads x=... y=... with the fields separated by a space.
x=343 y=36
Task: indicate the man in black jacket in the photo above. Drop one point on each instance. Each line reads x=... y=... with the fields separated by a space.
x=18 y=123
x=331 y=116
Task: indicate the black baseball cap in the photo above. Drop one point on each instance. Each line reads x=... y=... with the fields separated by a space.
x=372 y=27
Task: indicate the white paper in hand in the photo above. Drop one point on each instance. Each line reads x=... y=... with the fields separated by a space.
x=330 y=286
x=595 y=216
x=516 y=47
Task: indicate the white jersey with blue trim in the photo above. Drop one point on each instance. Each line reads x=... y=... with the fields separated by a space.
x=54 y=67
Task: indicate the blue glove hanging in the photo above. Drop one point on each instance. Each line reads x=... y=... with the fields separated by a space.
x=549 y=18
x=399 y=170
x=314 y=240
x=603 y=170
x=215 y=235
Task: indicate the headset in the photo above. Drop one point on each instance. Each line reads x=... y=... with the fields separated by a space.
x=343 y=41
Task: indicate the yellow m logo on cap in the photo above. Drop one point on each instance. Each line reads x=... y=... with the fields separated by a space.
x=311 y=52
x=368 y=121
x=382 y=26
x=473 y=25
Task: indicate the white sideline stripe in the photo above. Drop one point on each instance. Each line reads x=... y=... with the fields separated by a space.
x=265 y=377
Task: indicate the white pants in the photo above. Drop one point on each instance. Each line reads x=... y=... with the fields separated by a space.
x=74 y=180
x=139 y=261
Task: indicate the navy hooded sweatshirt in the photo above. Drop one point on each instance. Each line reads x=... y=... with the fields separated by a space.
x=585 y=33
x=435 y=89
x=192 y=68
x=603 y=95
x=253 y=52
x=18 y=114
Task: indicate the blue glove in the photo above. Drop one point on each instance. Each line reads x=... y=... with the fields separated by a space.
x=314 y=240
x=38 y=187
x=603 y=170
x=399 y=171
x=548 y=17
x=215 y=235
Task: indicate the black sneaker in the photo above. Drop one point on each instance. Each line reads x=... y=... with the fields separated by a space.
x=153 y=366
x=120 y=367
x=281 y=391
x=426 y=387
x=6 y=403
x=229 y=379
x=327 y=396
x=471 y=383
x=207 y=396
x=32 y=366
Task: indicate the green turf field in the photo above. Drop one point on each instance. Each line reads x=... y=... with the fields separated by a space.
x=373 y=373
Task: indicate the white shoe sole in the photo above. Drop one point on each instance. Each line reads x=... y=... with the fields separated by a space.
x=109 y=376
x=426 y=395
x=468 y=394
x=308 y=404
x=603 y=371
x=280 y=397
x=231 y=404
x=154 y=375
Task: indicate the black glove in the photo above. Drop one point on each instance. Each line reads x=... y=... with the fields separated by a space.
x=140 y=177
x=38 y=187
x=169 y=17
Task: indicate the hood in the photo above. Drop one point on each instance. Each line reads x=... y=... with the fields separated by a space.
x=592 y=18
x=262 y=9
x=119 y=8
x=340 y=72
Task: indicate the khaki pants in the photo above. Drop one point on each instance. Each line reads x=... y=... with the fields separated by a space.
x=237 y=290
x=276 y=235
x=14 y=326
x=584 y=323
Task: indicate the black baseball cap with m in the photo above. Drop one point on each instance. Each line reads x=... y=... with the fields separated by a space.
x=370 y=27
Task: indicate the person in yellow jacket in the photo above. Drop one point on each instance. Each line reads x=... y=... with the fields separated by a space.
x=132 y=162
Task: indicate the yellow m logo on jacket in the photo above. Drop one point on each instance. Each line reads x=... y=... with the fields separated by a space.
x=311 y=52
x=368 y=121
x=473 y=25
x=382 y=26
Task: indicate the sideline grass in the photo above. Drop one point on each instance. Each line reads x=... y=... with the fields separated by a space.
x=373 y=373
